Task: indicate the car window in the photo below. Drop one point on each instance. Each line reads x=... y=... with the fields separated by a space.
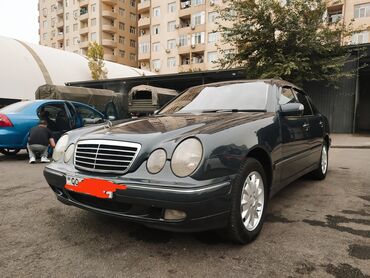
x=111 y=110
x=15 y=107
x=55 y=115
x=88 y=115
x=287 y=96
x=303 y=100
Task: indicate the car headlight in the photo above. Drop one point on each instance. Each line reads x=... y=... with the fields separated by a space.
x=69 y=153
x=156 y=161
x=186 y=157
x=60 y=147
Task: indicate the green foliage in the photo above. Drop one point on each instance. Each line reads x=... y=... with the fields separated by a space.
x=293 y=41
x=95 y=54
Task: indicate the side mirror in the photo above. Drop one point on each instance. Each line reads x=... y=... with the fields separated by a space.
x=291 y=109
x=112 y=118
x=156 y=112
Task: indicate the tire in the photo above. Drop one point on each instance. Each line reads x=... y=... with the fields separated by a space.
x=322 y=170
x=9 y=151
x=241 y=228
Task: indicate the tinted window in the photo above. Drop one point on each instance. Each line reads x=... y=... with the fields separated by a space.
x=303 y=100
x=240 y=96
x=287 y=96
x=88 y=115
x=15 y=107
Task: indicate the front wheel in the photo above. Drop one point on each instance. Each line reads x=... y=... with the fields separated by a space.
x=321 y=171
x=248 y=202
x=9 y=151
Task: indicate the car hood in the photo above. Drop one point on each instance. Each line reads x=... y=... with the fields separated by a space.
x=170 y=127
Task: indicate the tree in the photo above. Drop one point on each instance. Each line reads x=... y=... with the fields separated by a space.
x=292 y=41
x=95 y=54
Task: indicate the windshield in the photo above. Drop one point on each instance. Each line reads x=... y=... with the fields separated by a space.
x=234 y=97
x=15 y=107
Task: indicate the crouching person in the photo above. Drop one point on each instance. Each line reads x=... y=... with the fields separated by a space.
x=38 y=142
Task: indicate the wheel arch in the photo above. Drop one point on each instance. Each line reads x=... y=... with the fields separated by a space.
x=262 y=155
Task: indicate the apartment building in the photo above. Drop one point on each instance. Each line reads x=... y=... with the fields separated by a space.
x=355 y=12
x=71 y=24
x=178 y=35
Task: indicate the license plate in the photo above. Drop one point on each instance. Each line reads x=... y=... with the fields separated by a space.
x=92 y=186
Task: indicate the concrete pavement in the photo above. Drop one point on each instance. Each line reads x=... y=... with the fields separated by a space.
x=350 y=141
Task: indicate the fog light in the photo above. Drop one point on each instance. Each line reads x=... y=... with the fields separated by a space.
x=172 y=214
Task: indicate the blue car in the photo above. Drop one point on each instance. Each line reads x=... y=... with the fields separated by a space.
x=17 y=119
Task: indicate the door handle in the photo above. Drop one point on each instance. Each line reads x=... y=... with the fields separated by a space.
x=321 y=124
x=306 y=126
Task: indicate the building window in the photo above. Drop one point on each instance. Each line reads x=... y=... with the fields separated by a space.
x=197 y=2
x=132 y=17
x=171 y=26
x=157 y=11
x=132 y=43
x=212 y=17
x=121 y=26
x=171 y=62
x=93 y=22
x=334 y=16
x=212 y=56
x=66 y=3
x=121 y=40
x=132 y=57
x=75 y=14
x=156 y=29
x=75 y=27
x=53 y=22
x=183 y=40
x=93 y=37
x=171 y=7
x=362 y=10
x=75 y=40
x=156 y=64
x=213 y=37
x=171 y=44
x=67 y=16
x=198 y=18
x=156 y=47
x=45 y=24
x=360 y=37
x=132 y=30
x=197 y=38
x=67 y=29
x=144 y=47
x=67 y=42
x=93 y=8
x=45 y=36
x=121 y=12
x=133 y=3
x=122 y=53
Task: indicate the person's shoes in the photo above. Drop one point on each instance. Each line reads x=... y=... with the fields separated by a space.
x=45 y=160
x=32 y=160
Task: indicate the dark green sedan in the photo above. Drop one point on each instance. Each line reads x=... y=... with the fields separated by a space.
x=209 y=159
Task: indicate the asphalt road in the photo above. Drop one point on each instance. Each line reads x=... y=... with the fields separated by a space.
x=316 y=229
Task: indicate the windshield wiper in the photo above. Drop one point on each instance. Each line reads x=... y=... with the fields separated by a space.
x=233 y=110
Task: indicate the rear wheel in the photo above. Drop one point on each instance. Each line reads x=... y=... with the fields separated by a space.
x=320 y=172
x=9 y=151
x=249 y=200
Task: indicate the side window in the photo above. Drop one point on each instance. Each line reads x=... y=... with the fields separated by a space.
x=303 y=100
x=88 y=115
x=287 y=96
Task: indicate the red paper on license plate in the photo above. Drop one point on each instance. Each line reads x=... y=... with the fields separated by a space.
x=95 y=187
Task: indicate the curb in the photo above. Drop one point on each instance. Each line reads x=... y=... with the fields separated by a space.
x=349 y=147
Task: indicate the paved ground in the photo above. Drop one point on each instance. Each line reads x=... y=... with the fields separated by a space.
x=316 y=229
x=358 y=141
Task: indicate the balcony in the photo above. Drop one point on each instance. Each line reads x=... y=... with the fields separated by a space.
x=110 y=57
x=144 y=22
x=143 y=6
x=84 y=30
x=84 y=17
x=84 y=44
x=60 y=37
x=110 y=2
x=60 y=10
x=109 y=43
x=109 y=28
x=84 y=3
x=144 y=56
x=109 y=14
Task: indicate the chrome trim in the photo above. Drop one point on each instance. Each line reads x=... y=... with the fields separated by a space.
x=109 y=143
x=187 y=190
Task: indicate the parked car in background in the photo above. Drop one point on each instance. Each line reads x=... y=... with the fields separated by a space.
x=210 y=159
x=17 y=119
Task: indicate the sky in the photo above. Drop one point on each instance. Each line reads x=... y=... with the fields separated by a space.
x=18 y=19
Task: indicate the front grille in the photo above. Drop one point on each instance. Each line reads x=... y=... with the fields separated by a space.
x=105 y=156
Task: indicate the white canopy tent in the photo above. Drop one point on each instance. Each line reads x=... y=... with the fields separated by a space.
x=24 y=67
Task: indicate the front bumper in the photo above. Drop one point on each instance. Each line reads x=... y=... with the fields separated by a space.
x=206 y=207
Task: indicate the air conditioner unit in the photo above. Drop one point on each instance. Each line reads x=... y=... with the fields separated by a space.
x=193 y=46
x=168 y=50
x=156 y=69
x=192 y=27
x=211 y=2
x=177 y=26
x=143 y=64
x=78 y=41
x=142 y=32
